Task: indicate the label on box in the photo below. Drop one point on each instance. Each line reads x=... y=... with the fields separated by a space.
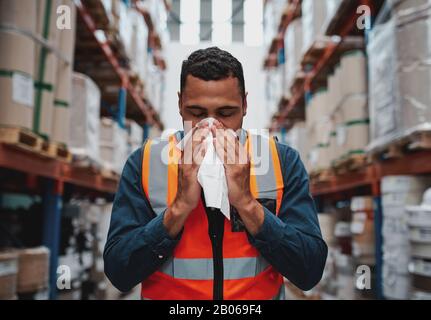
x=8 y=268
x=22 y=89
x=357 y=227
x=341 y=135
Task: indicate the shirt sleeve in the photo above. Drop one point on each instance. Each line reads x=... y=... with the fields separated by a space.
x=138 y=242
x=292 y=242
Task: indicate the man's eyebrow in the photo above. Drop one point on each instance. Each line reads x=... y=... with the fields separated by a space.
x=228 y=107
x=196 y=107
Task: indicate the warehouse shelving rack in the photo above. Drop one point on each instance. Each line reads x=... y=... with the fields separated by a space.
x=101 y=41
x=366 y=180
x=54 y=179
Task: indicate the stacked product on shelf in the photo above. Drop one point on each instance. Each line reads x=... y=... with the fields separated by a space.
x=45 y=66
x=297 y=139
x=86 y=227
x=135 y=135
x=84 y=119
x=345 y=274
x=400 y=75
x=63 y=90
x=33 y=271
x=337 y=116
x=363 y=240
x=328 y=286
x=419 y=222
x=397 y=193
x=314 y=15
x=17 y=50
x=8 y=274
x=24 y=273
x=363 y=245
x=113 y=145
x=293 y=52
x=318 y=131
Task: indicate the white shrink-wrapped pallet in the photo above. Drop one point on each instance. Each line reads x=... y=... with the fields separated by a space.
x=399 y=53
x=139 y=44
x=293 y=51
x=313 y=20
x=135 y=134
x=85 y=118
x=113 y=145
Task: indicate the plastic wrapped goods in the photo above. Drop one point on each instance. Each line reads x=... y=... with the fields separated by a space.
x=84 y=118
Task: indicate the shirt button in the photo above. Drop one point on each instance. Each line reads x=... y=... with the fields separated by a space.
x=160 y=256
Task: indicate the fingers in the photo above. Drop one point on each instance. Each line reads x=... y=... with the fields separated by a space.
x=198 y=136
x=228 y=148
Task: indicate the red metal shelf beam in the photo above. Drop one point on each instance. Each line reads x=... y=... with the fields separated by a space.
x=411 y=164
x=34 y=164
x=122 y=74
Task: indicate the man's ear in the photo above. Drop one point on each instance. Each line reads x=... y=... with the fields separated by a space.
x=244 y=104
x=179 y=103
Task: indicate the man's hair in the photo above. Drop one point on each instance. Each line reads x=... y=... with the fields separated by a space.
x=212 y=64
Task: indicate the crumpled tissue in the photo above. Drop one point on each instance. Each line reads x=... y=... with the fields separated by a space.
x=212 y=176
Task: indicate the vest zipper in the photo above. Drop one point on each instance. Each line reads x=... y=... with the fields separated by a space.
x=215 y=231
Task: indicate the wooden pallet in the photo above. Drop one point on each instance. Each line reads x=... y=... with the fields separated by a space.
x=21 y=138
x=322 y=175
x=109 y=174
x=57 y=151
x=350 y=163
x=419 y=140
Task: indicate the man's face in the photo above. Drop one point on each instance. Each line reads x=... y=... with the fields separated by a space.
x=219 y=99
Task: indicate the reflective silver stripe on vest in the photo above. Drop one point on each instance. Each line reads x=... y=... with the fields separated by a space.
x=281 y=295
x=158 y=180
x=202 y=269
x=264 y=168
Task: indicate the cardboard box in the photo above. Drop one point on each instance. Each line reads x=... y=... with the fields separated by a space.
x=33 y=271
x=63 y=91
x=353 y=73
x=362 y=203
x=355 y=107
x=17 y=63
x=8 y=274
x=45 y=65
x=421 y=250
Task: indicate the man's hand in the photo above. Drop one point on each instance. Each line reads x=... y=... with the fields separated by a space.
x=189 y=189
x=237 y=167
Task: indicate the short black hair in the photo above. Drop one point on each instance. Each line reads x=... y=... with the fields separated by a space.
x=212 y=64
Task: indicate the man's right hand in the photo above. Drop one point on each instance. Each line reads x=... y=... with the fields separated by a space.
x=189 y=189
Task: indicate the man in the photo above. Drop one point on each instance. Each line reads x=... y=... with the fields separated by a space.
x=163 y=236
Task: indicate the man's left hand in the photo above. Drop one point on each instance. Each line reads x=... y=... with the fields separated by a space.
x=237 y=167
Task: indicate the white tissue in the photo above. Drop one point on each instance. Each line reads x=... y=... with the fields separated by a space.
x=212 y=177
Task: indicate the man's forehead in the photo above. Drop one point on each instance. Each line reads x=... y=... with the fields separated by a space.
x=196 y=87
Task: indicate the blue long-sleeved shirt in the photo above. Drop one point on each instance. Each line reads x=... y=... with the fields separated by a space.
x=138 y=242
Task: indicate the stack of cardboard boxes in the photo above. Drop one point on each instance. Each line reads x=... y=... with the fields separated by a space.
x=36 y=63
x=337 y=116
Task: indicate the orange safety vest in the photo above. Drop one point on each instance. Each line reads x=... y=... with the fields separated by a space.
x=189 y=273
